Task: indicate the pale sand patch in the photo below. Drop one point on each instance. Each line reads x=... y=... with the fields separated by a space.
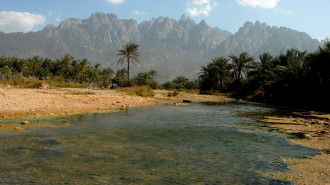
x=316 y=129
x=21 y=102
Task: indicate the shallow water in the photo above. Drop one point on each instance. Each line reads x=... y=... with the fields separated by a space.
x=206 y=143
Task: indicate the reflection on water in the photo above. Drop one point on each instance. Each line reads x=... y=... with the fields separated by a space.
x=193 y=144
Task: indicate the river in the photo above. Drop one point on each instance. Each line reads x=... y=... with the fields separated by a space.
x=198 y=143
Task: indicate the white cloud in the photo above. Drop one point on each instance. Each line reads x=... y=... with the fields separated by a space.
x=200 y=7
x=115 y=1
x=284 y=12
x=136 y=12
x=58 y=18
x=267 y=4
x=19 y=21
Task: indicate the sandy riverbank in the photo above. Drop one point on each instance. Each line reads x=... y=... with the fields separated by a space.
x=315 y=132
x=21 y=102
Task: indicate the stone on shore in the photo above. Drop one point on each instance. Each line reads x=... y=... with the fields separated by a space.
x=26 y=123
x=18 y=128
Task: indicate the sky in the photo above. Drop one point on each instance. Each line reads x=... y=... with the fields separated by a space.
x=310 y=16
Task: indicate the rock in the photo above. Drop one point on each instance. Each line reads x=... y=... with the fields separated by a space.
x=44 y=86
x=326 y=124
x=113 y=104
x=118 y=102
x=312 y=123
x=18 y=128
x=7 y=86
x=26 y=123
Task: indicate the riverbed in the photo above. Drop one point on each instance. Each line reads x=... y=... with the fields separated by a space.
x=198 y=143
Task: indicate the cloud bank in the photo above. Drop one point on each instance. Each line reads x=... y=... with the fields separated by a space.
x=200 y=7
x=115 y=1
x=266 y=4
x=19 y=21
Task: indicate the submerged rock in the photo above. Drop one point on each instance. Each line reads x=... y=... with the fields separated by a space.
x=18 y=128
x=26 y=123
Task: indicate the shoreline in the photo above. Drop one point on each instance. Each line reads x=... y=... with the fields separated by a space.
x=64 y=101
x=17 y=102
x=314 y=131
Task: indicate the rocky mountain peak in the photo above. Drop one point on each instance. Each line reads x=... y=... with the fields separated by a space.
x=170 y=47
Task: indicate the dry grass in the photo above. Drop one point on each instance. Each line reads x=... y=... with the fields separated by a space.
x=144 y=91
x=35 y=83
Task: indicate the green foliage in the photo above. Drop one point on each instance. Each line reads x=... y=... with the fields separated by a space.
x=23 y=83
x=67 y=85
x=146 y=78
x=121 y=78
x=181 y=82
x=67 y=68
x=215 y=74
x=294 y=78
x=129 y=53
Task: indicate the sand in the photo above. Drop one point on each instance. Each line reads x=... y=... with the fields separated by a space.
x=15 y=102
x=316 y=131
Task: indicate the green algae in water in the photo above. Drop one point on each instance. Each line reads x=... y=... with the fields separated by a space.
x=193 y=144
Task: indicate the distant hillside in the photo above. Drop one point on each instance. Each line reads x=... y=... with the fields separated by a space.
x=171 y=47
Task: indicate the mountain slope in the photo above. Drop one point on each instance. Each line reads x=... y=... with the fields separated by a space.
x=258 y=38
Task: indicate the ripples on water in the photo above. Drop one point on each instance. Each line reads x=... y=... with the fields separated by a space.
x=194 y=144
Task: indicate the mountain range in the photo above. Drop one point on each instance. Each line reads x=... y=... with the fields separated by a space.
x=172 y=48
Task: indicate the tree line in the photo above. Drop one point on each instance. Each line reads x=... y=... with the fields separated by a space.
x=67 y=68
x=295 y=78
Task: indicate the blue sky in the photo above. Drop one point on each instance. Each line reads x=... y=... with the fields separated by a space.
x=310 y=16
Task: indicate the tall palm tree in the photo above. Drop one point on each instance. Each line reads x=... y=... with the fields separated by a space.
x=220 y=69
x=153 y=73
x=130 y=53
x=83 y=68
x=242 y=65
x=34 y=63
x=67 y=66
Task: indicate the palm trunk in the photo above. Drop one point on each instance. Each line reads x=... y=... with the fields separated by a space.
x=128 y=68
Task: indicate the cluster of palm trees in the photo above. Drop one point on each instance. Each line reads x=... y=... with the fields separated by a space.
x=295 y=77
x=66 y=68
x=220 y=72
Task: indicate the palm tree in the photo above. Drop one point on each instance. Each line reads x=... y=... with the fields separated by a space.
x=130 y=53
x=67 y=66
x=34 y=64
x=220 y=69
x=242 y=65
x=153 y=73
x=96 y=66
x=83 y=67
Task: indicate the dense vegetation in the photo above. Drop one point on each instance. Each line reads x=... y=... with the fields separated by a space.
x=294 y=78
x=64 y=69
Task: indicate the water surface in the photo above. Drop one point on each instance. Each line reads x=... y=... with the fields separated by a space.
x=205 y=143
